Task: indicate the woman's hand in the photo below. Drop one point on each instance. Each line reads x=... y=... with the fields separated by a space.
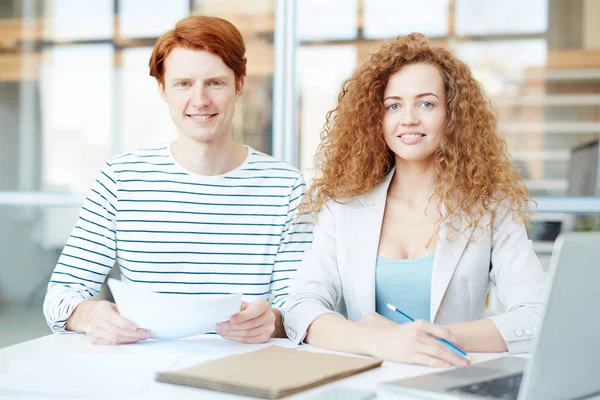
x=376 y=320
x=413 y=343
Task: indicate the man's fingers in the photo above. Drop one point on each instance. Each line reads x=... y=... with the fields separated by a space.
x=227 y=327
x=255 y=325
x=111 y=315
x=252 y=311
x=137 y=334
x=260 y=330
x=262 y=322
x=106 y=336
x=106 y=342
x=264 y=319
x=249 y=340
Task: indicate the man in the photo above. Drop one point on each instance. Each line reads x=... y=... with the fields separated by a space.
x=202 y=216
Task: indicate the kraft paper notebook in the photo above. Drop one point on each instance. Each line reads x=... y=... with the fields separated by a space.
x=270 y=373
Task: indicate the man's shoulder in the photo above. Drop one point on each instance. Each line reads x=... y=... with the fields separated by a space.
x=155 y=155
x=265 y=163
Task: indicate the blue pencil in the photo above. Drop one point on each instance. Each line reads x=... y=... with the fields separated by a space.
x=451 y=346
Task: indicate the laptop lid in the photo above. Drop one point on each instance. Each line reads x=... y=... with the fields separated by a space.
x=566 y=364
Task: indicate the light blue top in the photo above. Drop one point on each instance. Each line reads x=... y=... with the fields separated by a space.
x=405 y=283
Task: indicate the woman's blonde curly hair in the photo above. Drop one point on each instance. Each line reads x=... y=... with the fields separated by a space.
x=473 y=165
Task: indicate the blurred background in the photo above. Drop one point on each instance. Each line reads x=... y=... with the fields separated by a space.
x=75 y=90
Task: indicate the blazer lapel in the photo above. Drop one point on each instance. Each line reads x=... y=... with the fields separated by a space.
x=448 y=252
x=365 y=219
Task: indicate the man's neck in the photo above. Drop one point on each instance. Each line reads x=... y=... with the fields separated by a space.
x=208 y=158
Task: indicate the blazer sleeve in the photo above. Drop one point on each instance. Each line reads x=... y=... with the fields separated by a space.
x=520 y=281
x=317 y=288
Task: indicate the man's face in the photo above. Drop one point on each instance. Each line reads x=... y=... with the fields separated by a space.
x=201 y=93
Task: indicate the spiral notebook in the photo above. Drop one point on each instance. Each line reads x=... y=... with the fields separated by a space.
x=270 y=373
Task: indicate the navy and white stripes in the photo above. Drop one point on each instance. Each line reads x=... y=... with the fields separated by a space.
x=172 y=231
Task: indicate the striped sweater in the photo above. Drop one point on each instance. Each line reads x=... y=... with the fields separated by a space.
x=172 y=231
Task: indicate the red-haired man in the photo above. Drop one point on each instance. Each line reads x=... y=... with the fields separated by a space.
x=201 y=216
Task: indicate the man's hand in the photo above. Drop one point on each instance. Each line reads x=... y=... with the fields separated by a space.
x=255 y=323
x=103 y=324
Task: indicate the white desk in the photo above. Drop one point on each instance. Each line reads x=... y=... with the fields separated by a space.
x=69 y=367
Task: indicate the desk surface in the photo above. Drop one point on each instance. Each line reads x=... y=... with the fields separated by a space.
x=69 y=367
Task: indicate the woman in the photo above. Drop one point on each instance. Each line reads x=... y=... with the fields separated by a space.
x=419 y=206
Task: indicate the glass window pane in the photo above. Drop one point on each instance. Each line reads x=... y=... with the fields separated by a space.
x=235 y=11
x=77 y=115
x=488 y=17
x=32 y=239
x=11 y=136
x=81 y=20
x=321 y=69
x=544 y=112
x=150 y=18
x=390 y=18
x=144 y=116
x=341 y=17
x=489 y=60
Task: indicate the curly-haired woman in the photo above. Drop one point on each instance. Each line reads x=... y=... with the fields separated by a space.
x=417 y=205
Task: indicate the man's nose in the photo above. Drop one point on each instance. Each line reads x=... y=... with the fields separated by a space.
x=200 y=97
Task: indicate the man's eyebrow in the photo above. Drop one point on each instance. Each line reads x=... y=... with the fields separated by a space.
x=219 y=77
x=215 y=78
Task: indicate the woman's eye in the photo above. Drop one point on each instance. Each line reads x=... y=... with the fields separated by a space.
x=393 y=107
x=427 y=104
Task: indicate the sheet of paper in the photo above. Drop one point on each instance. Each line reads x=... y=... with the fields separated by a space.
x=199 y=349
x=172 y=317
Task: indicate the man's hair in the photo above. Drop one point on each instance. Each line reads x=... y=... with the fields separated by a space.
x=200 y=32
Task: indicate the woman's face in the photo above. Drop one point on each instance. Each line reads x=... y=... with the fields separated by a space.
x=414 y=121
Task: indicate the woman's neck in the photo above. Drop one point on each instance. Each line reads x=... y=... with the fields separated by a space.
x=413 y=181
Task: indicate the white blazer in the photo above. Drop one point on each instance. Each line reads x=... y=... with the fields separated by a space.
x=338 y=272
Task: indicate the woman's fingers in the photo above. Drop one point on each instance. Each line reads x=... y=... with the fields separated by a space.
x=435 y=330
x=429 y=361
x=434 y=348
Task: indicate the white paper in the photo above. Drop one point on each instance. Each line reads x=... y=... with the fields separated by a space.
x=172 y=317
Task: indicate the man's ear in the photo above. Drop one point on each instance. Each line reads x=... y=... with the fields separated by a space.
x=161 y=91
x=239 y=87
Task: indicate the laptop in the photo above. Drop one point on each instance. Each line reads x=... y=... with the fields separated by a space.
x=566 y=360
